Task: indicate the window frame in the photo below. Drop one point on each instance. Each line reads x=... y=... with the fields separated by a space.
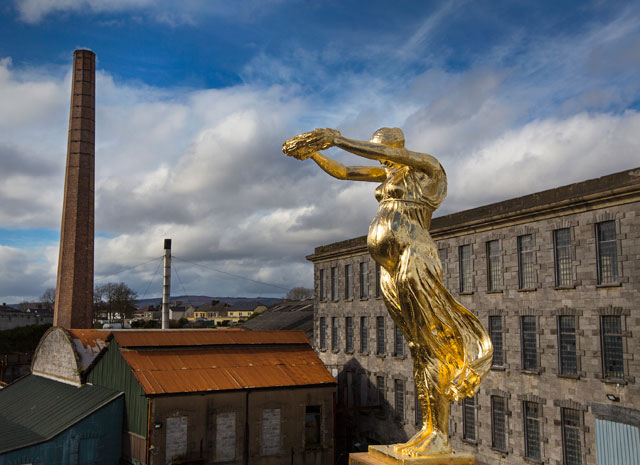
x=348 y=282
x=469 y=409
x=380 y=389
x=494 y=265
x=523 y=343
x=523 y=281
x=605 y=352
x=496 y=435
x=322 y=333
x=334 y=333
x=364 y=285
x=378 y=278
x=465 y=268
x=577 y=433
x=563 y=333
x=380 y=336
x=398 y=341
x=322 y=291
x=398 y=398
x=532 y=439
x=599 y=253
x=364 y=334
x=559 y=258
x=497 y=332
x=334 y=283
x=348 y=334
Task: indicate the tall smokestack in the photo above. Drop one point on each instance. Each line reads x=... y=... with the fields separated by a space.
x=166 y=284
x=74 y=290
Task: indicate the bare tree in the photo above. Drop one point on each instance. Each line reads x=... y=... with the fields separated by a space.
x=48 y=297
x=299 y=293
x=115 y=300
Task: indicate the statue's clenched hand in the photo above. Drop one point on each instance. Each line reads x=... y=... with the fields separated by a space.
x=306 y=144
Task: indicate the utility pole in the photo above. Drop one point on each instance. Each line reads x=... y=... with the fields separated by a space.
x=166 y=284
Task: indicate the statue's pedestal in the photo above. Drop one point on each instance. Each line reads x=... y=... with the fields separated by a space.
x=384 y=455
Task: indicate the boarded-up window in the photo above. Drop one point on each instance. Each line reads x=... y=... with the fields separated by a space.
x=270 y=431
x=225 y=437
x=176 y=438
x=312 y=424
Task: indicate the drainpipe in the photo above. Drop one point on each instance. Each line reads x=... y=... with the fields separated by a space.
x=166 y=284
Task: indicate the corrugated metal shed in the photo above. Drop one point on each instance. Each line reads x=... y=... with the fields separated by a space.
x=204 y=337
x=617 y=443
x=226 y=368
x=35 y=409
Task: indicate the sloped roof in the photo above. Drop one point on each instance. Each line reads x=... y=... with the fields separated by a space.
x=88 y=344
x=290 y=315
x=35 y=409
x=204 y=337
x=226 y=368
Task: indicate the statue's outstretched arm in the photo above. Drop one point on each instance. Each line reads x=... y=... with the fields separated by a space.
x=351 y=173
x=375 y=151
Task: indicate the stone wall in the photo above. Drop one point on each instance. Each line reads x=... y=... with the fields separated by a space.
x=215 y=426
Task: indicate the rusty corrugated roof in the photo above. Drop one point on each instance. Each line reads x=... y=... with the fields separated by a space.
x=204 y=337
x=88 y=344
x=218 y=368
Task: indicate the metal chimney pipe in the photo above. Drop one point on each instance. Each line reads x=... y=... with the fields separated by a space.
x=166 y=284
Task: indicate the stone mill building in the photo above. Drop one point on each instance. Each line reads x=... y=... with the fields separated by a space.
x=555 y=278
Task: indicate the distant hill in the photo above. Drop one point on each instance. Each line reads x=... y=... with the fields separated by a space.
x=197 y=300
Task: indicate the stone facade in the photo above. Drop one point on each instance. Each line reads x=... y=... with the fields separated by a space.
x=563 y=261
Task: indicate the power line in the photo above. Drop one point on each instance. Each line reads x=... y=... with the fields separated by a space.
x=178 y=276
x=155 y=273
x=128 y=269
x=233 y=275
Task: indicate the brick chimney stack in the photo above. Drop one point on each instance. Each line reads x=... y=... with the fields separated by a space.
x=74 y=290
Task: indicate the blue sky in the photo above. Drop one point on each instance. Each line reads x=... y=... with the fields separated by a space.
x=195 y=98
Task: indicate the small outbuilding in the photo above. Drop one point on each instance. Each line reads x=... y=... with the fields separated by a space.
x=43 y=421
x=232 y=396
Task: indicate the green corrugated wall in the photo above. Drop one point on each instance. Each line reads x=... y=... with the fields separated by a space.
x=113 y=372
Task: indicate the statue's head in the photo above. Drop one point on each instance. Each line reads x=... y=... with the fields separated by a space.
x=393 y=137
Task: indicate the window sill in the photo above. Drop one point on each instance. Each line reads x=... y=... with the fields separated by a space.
x=536 y=372
x=568 y=376
x=466 y=293
x=335 y=351
x=365 y=353
x=495 y=292
x=322 y=349
x=473 y=442
x=532 y=460
x=499 y=451
x=498 y=368
x=614 y=380
x=605 y=285
x=381 y=356
x=399 y=357
x=564 y=288
x=364 y=298
x=349 y=352
x=348 y=299
x=528 y=289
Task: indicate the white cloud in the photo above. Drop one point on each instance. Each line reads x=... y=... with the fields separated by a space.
x=204 y=167
x=163 y=11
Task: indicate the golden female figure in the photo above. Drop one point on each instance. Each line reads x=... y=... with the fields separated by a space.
x=450 y=348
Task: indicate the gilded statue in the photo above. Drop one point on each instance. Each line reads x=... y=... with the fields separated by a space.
x=450 y=348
